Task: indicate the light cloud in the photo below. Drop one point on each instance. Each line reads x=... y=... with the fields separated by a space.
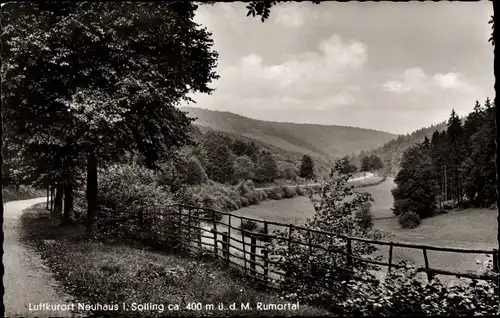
x=293 y=15
x=291 y=68
x=301 y=76
x=415 y=80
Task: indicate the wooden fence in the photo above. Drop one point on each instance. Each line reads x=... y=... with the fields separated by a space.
x=220 y=233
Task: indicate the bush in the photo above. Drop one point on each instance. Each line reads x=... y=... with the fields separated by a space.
x=409 y=220
x=128 y=195
x=262 y=195
x=249 y=225
x=364 y=216
x=244 y=202
x=289 y=192
x=403 y=293
x=300 y=191
x=274 y=193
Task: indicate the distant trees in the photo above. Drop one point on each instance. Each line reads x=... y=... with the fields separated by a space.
x=195 y=173
x=414 y=192
x=244 y=168
x=456 y=164
x=307 y=168
x=371 y=163
x=345 y=166
x=267 y=169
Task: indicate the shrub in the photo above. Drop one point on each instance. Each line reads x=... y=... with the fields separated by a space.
x=128 y=195
x=249 y=225
x=409 y=220
x=244 y=202
x=289 y=192
x=364 y=216
x=262 y=195
x=403 y=293
x=274 y=193
x=300 y=191
x=316 y=275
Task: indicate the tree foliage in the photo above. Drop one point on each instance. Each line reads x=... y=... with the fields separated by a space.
x=267 y=169
x=195 y=173
x=346 y=166
x=103 y=78
x=307 y=168
x=244 y=169
x=371 y=163
x=457 y=164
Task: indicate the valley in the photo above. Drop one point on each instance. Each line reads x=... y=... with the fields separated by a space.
x=470 y=228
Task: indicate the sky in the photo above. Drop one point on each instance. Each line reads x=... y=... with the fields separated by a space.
x=388 y=66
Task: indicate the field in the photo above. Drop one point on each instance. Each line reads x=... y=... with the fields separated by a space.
x=471 y=228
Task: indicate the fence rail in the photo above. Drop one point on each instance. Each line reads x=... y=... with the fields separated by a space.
x=220 y=233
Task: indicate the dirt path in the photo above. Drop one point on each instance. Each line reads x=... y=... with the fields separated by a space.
x=27 y=282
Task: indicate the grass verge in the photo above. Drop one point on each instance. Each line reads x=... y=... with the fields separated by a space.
x=97 y=273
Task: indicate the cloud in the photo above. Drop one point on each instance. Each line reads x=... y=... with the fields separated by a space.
x=415 y=80
x=303 y=76
x=293 y=15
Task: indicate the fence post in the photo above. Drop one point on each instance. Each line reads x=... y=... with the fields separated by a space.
x=244 y=247
x=200 y=230
x=288 y=273
x=313 y=264
x=228 y=237
x=253 y=250
x=225 y=246
x=189 y=228
x=265 y=252
x=180 y=225
x=390 y=257
x=214 y=230
x=427 y=271
x=350 y=264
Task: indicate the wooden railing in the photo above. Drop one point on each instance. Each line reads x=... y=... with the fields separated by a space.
x=219 y=233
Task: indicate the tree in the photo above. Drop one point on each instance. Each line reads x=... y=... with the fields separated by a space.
x=456 y=153
x=345 y=166
x=102 y=83
x=219 y=163
x=267 y=170
x=370 y=163
x=243 y=168
x=414 y=192
x=288 y=171
x=306 y=168
x=195 y=172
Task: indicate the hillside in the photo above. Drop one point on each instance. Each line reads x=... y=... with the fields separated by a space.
x=391 y=152
x=281 y=155
x=323 y=141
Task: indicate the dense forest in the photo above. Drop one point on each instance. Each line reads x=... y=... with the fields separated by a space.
x=323 y=141
x=392 y=151
x=457 y=164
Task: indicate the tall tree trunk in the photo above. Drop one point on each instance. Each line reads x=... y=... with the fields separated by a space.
x=52 y=194
x=48 y=201
x=91 y=194
x=68 y=204
x=58 y=204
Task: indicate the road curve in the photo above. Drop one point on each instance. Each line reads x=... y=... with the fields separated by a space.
x=27 y=281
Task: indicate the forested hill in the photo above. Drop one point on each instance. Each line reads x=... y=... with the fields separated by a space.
x=321 y=164
x=391 y=152
x=323 y=141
